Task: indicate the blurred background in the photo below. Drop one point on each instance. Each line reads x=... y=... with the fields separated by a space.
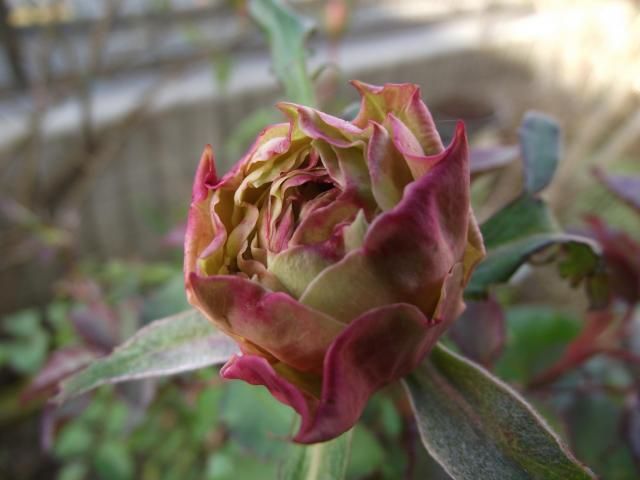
x=105 y=107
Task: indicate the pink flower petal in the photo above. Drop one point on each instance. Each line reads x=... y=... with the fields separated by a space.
x=200 y=229
x=379 y=347
x=258 y=153
x=408 y=250
x=256 y=370
x=348 y=169
x=318 y=125
x=319 y=224
x=387 y=169
x=205 y=175
x=294 y=334
x=411 y=150
x=403 y=101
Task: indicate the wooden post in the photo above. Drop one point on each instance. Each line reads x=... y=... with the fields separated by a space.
x=11 y=42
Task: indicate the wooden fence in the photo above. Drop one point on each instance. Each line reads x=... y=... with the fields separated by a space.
x=138 y=183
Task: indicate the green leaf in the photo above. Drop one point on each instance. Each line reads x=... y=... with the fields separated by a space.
x=73 y=471
x=232 y=462
x=368 y=457
x=524 y=228
x=205 y=415
x=74 y=440
x=25 y=349
x=595 y=421
x=536 y=339
x=523 y=217
x=166 y=300
x=577 y=254
x=322 y=461
x=287 y=32
x=182 y=342
x=540 y=143
x=255 y=420
x=476 y=426
x=113 y=461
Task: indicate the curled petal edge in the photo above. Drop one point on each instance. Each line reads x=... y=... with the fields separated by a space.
x=377 y=348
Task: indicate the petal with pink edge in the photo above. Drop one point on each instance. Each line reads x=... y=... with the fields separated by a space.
x=277 y=138
x=408 y=251
x=387 y=169
x=318 y=225
x=292 y=333
x=296 y=267
x=200 y=228
x=379 y=347
x=257 y=370
x=418 y=162
x=206 y=175
x=320 y=126
x=402 y=100
x=475 y=250
x=348 y=168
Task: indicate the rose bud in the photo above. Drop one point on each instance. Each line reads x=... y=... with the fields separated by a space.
x=335 y=253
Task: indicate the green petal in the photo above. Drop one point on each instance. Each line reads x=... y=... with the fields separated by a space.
x=354 y=234
x=387 y=169
x=297 y=267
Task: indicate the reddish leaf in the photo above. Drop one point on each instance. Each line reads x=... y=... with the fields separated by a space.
x=631 y=426
x=55 y=416
x=601 y=334
x=625 y=187
x=487 y=159
x=95 y=328
x=60 y=365
x=480 y=331
x=622 y=257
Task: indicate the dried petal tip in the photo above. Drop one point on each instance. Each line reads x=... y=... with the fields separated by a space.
x=206 y=175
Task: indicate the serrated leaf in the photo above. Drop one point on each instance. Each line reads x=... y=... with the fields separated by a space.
x=476 y=426
x=321 y=461
x=502 y=262
x=540 y=143
x=621 y=253
x=287 y=33
x=180 y=343
x=524 y=228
